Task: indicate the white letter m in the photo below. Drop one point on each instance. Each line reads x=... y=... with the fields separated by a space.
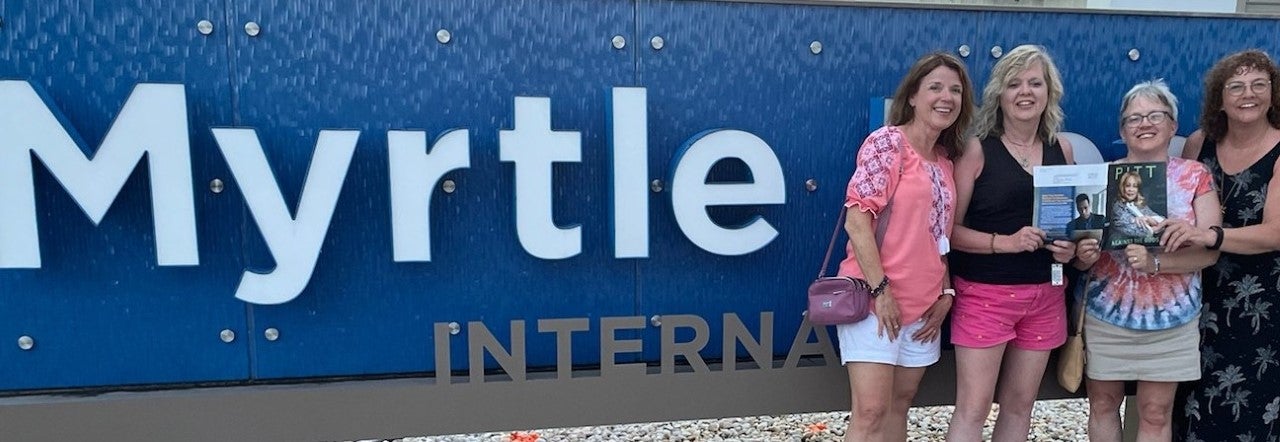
x=153 y=121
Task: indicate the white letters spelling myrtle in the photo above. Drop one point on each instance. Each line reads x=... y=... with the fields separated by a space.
x=154 y=121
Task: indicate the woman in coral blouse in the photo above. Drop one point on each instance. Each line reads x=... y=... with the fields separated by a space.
x=908 y=166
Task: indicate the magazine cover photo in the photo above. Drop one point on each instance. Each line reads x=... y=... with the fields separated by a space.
x=1138 y=204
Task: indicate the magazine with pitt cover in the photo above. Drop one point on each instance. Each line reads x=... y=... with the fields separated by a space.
x=1070 y=201
x=1138 y=196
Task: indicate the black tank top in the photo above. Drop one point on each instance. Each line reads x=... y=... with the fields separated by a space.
x=1002 y=202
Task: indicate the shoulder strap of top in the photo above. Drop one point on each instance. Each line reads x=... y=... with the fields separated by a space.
x=1208 y=150
x=1053 y=154
x=1269 y=160
x=993 y=150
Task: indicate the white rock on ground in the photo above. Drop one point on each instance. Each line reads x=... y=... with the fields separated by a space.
x=1059 y=420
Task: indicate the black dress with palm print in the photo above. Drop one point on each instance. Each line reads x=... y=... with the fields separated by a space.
x=1238 y=397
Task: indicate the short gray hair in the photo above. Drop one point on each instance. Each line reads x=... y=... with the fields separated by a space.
x=1155 y=90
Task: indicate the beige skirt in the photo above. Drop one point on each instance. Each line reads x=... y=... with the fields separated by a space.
x=1121 y=354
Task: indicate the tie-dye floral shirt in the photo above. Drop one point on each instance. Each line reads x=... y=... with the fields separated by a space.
x=1129 y=298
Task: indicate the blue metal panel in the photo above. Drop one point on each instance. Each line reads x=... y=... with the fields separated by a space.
x=1096 y=67
x=749 y=67
x=101 y=312
x=376 y=66
x=104 y=314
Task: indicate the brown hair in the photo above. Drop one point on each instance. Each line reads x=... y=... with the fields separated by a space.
x=900 y=113
x=1212 y=119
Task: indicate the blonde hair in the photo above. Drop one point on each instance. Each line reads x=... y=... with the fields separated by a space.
x=989 y=120
x=1139 y=200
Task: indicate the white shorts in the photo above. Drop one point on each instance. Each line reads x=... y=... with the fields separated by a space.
x=859 y=343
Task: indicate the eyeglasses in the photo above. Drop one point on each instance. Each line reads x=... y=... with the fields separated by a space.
x=1135 y=120
x=1236 y=88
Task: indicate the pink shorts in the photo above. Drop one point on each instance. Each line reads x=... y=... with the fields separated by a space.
x=1031 y=316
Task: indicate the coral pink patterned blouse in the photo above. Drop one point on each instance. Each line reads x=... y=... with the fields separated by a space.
x=924 y=203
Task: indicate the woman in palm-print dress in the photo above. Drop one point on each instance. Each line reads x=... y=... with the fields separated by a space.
x=1238 y=398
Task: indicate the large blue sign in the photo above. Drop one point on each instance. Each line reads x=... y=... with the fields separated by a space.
x=244 y=191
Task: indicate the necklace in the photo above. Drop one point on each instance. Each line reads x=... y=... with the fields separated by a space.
x=1023 y=151
x=1223 y=193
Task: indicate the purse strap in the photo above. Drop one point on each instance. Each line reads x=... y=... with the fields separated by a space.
x=882 y=221
x=1084 y=302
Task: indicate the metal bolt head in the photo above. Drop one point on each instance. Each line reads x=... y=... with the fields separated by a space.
x=811 y=184
x=455 y=328
x=271 y=334
x=227 y=336
x=26 y=343
x=252 y=29
x=655 y=186
x=448 y=186
x=1134 y=55
x=619 y=42
x=216 y=186
x=656 y=320
x=205 y=27
x=964 y=51
x=444 y=36
x=997 y=51
x=815 y=47
x=657 y=42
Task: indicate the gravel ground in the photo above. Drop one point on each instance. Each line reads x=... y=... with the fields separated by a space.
x=1060 y=420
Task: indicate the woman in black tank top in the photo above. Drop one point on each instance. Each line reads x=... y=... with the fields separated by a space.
x=1006 y=312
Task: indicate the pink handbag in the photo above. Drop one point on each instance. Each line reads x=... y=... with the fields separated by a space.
x=842 y=299
x=839 y=300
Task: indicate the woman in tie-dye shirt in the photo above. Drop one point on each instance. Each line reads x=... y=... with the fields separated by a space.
x=1143 y=305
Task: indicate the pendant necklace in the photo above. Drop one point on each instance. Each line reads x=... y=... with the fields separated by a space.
x=1023 y=151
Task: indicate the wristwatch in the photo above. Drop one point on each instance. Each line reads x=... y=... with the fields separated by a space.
x=949 y=292
x=1217 y=242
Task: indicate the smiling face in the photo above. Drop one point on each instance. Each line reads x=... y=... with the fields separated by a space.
x=1246 y=96
x=1129 y=187
x=1145 y=138
x=1025 y=94
x=938 y=99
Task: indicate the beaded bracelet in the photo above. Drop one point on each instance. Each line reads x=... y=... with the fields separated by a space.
x=884 y=283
